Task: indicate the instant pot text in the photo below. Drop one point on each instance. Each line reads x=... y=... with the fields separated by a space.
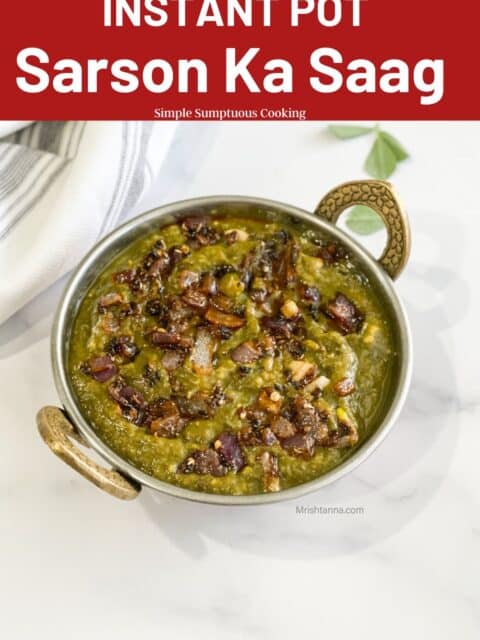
x=325 y=69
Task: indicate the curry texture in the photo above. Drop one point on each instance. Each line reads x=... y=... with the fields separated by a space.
x=232 y=356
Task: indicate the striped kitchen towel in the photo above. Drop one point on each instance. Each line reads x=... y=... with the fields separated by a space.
x=63 y=185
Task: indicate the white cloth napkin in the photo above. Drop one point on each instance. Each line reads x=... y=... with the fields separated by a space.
x=63 y=185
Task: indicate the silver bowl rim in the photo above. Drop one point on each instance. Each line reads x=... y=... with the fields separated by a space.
x=179 y=209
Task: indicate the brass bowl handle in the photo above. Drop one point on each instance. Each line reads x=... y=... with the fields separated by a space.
x=56 y=430
x=381 y=197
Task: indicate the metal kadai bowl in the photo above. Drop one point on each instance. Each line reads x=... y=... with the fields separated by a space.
x=64 y=429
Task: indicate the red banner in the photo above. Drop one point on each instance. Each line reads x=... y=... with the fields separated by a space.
x=257 y=59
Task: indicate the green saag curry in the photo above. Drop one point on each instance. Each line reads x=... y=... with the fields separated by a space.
x=232 y=356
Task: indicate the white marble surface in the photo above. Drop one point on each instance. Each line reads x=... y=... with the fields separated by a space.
x=76 y=563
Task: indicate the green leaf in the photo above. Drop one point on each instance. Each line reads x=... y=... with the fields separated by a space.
x=400 y=152
x=364 y=221
x=381 y=161
x=347 y=131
